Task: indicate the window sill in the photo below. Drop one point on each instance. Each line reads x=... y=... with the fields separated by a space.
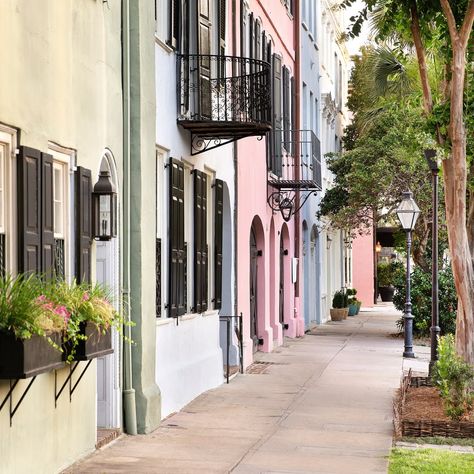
x=163 y=321
x=163 y=45
x=211 y=312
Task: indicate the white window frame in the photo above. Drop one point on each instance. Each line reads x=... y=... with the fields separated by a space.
x=8 y=140
x=162 y=27
x=189 y=231
x=64 y=159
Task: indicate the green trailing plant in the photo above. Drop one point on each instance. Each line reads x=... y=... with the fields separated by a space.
x=454 y=379
x=24 y=311
x=340 y=300
x=83 y=303
x=421 y=300
x=30 y=305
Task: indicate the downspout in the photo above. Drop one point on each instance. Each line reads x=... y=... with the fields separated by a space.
x=129 y=405
x=297 y=23
x=236 y=170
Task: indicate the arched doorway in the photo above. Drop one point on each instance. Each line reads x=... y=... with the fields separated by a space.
x=308 y=299
x=107 y=274
x=315 y=263
x=253 y=289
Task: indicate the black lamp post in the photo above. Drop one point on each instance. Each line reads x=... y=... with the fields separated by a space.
x=433 y=163
x=408 y=213
x=104 y=205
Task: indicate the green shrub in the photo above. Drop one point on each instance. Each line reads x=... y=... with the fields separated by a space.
x=421 y=300
x=340 y=299
x=454 y=379
x=386 y=273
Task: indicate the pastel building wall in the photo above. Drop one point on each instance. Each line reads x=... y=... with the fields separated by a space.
x=363 y=268
x=61 y=93
x=265 y=243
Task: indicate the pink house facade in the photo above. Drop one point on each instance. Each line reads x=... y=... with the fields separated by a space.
x=267 y=267
x=363 y=268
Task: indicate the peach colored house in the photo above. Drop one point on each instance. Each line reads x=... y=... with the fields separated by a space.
x=266 y=254
x=363 y=268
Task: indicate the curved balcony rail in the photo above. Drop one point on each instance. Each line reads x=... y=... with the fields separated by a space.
x=295 y=170
x=223 y=98
x=286 y=147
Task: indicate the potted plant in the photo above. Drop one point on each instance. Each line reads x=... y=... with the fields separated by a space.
x=31 y=327
x=352 y=300
x=359 y=304
x=88 y=331
x=339 y=308
x=385 y=278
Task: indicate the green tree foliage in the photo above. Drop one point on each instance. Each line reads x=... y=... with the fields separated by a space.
x=421 y=300
x=454 y=379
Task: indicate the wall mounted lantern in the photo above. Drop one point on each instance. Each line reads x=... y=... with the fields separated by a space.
x=104 y=205
x=378 y=247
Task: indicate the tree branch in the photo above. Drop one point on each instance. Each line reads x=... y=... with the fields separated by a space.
x=467 y=24
x=448 y=13
x=420 y=52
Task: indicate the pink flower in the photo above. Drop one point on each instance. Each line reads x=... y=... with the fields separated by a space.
x=41 y=298
x=85 y=297
x=62 y=311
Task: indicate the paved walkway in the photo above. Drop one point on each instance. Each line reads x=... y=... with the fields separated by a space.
x=323 y=405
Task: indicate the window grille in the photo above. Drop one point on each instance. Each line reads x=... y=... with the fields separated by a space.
x=59 y=258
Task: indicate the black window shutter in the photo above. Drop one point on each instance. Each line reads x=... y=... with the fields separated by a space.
x=286 y=106
x=251 y=33
x=222 y=21
x=47 y=216
x=258 y=40
x=200 y=242
x=264 y=47
x=277 y=125
x=174 y=23
x=83 y=205
x=218 y=236
x=29 y=210
x=158 y=277
x=177 y=250
x=293 y=115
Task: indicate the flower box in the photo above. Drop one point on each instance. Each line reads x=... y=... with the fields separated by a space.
x=24 y=358
x=97 y=344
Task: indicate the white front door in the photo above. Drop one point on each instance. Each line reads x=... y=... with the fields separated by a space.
x=108 y=376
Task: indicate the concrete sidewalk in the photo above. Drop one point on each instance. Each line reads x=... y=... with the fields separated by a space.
x=323 y=404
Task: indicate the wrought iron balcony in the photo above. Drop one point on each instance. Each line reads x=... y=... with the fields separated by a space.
x=295 y=160
x=295 y=164
x=222 y=99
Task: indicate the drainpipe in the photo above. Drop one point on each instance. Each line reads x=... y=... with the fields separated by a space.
x=129 y=405
x=236 y=170
x=296 y=28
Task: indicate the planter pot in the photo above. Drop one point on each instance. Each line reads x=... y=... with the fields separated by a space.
x=358 y=308
x=352 y=309
x=386 y=293
x=97 y=344
x=24 y=358
x=338 y=314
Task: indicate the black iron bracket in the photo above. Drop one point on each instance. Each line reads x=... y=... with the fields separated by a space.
x=200 y=144
x=9 y=397
x=72 y=387
x=287 y=198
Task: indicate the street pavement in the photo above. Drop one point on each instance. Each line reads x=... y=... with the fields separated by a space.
x=321 y=404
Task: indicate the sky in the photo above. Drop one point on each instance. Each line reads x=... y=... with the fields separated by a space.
x=354 y=44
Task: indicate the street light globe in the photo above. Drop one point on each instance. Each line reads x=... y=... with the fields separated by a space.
x=408 y=211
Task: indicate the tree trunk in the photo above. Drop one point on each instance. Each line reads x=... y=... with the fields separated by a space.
x=455 y=181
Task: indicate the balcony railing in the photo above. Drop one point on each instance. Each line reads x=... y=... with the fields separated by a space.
x=223 y=97
x=295 y=160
